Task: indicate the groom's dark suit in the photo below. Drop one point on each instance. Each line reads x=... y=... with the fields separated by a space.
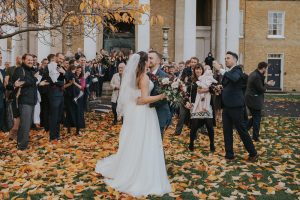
x=162 y=106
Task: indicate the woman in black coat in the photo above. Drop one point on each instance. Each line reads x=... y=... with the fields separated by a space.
x=199 y=119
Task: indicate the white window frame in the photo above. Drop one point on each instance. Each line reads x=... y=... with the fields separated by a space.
x=241 y=25
x=281 y=56
x=283 y=23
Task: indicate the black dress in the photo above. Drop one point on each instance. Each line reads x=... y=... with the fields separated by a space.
x=74 y=110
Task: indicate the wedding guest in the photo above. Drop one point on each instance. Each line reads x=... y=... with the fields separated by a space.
x=74 y=110
x=256 y=88
x=44 y=92
x=217 y=98
x=171 y=73
x=100 y=75
x=199 y=118
x=234 y=107
x=115 y=83
x=56 y=96
x=80 y=83
x=26 y=98
x=184 y=113
x=86 y=75
x=35 y=63
x=2 y=94
x=180 y=69
x=188 y=71
x=94 y=88
x=12 y=96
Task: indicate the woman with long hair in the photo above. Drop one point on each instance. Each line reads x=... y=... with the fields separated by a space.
x=138 y=168
x=200 y=118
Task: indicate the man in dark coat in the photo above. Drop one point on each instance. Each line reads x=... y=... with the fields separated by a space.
x=234 y=107
x=254 y=96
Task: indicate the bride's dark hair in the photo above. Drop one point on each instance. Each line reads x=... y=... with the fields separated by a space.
x=141 y=66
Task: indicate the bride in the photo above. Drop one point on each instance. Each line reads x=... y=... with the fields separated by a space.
x=138 y=168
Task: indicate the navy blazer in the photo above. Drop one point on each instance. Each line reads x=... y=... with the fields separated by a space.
x=162 y=106
x=232 y=95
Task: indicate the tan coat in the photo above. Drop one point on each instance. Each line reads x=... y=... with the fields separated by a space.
x=115 y=82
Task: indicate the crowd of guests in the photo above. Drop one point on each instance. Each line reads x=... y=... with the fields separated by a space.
x=50 y=93
x=58 y=90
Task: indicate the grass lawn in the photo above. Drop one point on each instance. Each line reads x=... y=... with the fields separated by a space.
x=65 y=170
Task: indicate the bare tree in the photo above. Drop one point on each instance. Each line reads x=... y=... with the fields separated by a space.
x=19 y=16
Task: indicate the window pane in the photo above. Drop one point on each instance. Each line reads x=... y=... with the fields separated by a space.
x=270 y=18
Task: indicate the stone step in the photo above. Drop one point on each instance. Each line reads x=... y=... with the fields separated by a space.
x=98 y=110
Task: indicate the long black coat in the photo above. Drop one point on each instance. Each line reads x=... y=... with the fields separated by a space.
x=255 y=90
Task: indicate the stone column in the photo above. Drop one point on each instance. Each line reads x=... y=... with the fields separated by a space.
x=213 y=27
x=143 y=31
x=189 y=48
x=90 y=46
x=221 y=32
x=233 y=21
x=3 y=50
x=179 y=30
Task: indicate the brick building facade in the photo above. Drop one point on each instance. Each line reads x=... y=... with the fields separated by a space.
x=258 y=30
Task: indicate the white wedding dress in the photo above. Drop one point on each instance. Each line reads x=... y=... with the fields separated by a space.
x=138 y=168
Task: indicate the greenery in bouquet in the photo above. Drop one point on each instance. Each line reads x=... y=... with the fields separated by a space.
x=175 y=90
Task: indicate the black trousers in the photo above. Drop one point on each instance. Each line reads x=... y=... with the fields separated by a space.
x=184 y=114
x=55 y=116
x=236 y=117
x=114 y=110
x=198 y=123
x=45 y=111
x=254 y=122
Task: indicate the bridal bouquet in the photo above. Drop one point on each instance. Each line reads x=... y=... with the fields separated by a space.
x=175 y=90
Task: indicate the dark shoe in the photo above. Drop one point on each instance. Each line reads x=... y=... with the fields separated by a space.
x=229 y=158
x=114 y=122
x=212 y=149
x=256 y=139
x=253 y=158
x=191 y=147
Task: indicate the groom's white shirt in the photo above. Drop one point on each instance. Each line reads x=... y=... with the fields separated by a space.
x=155 y=71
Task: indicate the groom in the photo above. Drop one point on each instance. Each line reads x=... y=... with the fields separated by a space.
x=162 y=106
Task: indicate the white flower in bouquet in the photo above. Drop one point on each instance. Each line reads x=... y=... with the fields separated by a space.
x=198 y=83
x=175 y=85
x=165 y=81
x=184 y=88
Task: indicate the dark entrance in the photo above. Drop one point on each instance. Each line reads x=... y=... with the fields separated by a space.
x=123 y=39
x=274 y=72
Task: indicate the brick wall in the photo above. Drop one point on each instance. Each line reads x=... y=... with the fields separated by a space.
x=165 y=8
x=256 y=46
